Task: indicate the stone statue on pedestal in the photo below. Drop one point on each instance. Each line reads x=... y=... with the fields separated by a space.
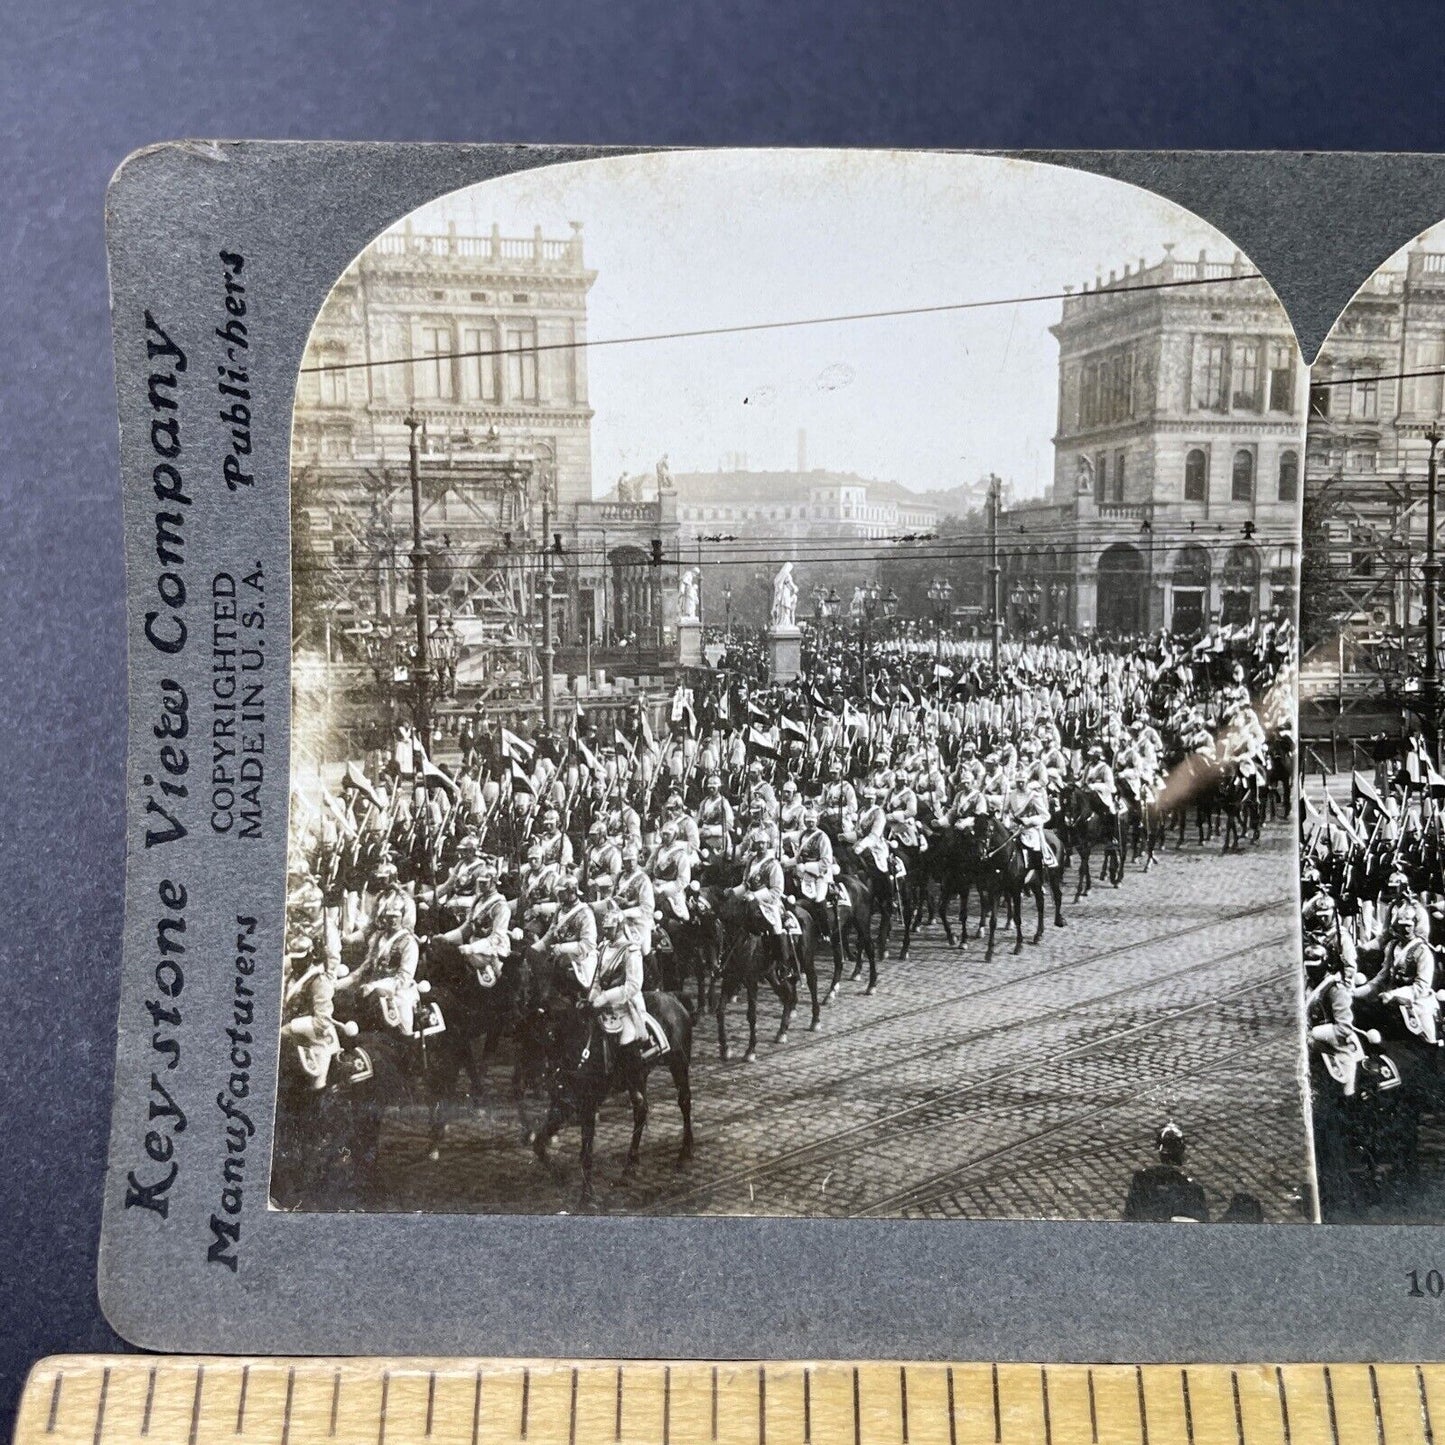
x=785 y=600
x=687 y=597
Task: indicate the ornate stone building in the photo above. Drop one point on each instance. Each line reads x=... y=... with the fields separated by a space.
x=477 y=338
x=1175 y=498
x=1376 y=392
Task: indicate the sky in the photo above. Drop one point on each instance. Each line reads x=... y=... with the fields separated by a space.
x=692 y=240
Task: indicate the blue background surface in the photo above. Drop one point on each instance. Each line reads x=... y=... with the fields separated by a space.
x=82 y=85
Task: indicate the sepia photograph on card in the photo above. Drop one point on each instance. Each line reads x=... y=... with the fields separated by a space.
x=804 y=726
x=792 y=672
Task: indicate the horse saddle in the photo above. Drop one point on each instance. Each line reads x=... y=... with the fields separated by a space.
x=486 y=974
x=356 y=1065
x=429 y=1020
x=315 y=1062
x=656 y=1044
x=1420 y=1020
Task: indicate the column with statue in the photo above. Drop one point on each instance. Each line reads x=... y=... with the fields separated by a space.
x=785 y=638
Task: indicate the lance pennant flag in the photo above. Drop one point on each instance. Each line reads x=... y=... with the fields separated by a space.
x=433 y=777
x=515 y=747
x=1362 y=787
x=757 y=714
x=791 y=728
x=521 y=783
x=1341 y=818
x=761 y=742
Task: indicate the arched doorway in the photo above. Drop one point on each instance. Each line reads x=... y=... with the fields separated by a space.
x=1190 y=590
x=1240 y=595
x=1121 y=589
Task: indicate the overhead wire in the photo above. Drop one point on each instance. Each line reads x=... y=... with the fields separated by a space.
x=594 y=343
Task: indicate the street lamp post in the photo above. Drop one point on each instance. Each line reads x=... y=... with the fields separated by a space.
x=421 y=668
x=728 y=611
x=940 y=594
x=995 y=570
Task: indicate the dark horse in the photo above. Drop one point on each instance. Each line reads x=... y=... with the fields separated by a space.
x=582 y=1066
x=746 y=964
x=1087 y=824
x=994 y=857
x=475 y=1016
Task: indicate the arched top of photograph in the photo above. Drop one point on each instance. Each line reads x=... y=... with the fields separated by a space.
x=707 y=566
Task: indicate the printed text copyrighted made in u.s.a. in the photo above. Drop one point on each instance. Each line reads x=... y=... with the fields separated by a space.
x=188 y=454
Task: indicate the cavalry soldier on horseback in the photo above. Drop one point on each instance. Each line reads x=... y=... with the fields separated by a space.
x=811 y=871
x=572 y=937
x=388 y=967
x=790 y=816
x=623 y=820
x=635 y=896
x=614 y=990
x=672 y=873
x=1028 y=811
x=1404 y=987
x=759 y=821
x=1098 y=780
x=715 y=819
x=1330 y=1016
x=1320 y=920
x=312 y=1028
x=386 y=885
x=459 y=886
x=757 y=789
x=839 y=800
x=762 y=887
x=993 y=790
x=485 y=935
x=901 y=806
x=1033 y=771
x=674 y=813
x=554 y=846
x=602 y=856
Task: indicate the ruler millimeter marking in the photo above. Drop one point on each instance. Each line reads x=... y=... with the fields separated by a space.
x=184 y=1400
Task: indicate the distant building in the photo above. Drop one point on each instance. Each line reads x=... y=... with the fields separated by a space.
x=1175 y=499
x=816 y=503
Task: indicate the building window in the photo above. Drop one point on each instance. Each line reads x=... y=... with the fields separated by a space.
x=1241 y=487
x=1362 y=459
x=1289 y=476
x=1246 y=376
x=1118 y=476
x=333 y=387
x=1281 y=376
x=521 y=348
x=1320 y=400
x=1422 y=393
x=1208 y=381
x=1365 y=400
x=1196 y=476
x=1089 y=396
x=1101 y=478
x=433 y=367
x=479 y=372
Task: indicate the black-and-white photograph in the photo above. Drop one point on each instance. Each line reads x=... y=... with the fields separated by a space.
x=793 y=675
x=1372 y=708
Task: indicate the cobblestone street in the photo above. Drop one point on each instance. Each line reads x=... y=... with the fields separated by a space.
x=1028 y=1087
